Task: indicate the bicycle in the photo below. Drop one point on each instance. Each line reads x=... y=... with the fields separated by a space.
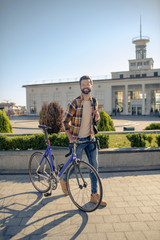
x=45 y=175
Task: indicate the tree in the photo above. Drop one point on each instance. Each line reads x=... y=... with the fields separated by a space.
x=5 y=125
x=52 y=116
x=105 y=123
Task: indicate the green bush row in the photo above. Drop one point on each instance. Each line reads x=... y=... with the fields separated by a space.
x=139 y=139
x=37 y=141
x=153 y=126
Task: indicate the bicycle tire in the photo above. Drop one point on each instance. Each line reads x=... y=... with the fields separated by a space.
x=40 y=179
x=80 y=193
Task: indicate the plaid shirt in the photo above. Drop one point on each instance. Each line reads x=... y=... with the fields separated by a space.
x=73 y=116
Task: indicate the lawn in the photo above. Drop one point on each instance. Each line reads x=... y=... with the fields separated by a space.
x=120 y=141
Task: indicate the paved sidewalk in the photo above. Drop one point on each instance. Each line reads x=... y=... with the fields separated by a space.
x=138 y=122
x=133 y=211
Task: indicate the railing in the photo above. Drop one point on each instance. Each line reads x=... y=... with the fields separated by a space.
x=140 y=38
x=65 y=80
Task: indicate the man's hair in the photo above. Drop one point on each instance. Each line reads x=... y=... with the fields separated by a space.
x=85 y=77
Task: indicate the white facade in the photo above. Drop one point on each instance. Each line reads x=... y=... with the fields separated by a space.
x=133 y=92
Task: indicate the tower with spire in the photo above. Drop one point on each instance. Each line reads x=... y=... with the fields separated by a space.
x=141 y=62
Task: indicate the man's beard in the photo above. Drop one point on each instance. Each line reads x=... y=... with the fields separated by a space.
x=89 y=90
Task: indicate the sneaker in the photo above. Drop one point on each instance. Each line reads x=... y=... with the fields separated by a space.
x=64 y=187
x=95 y=198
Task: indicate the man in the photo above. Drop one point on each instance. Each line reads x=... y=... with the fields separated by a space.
x=78 y=125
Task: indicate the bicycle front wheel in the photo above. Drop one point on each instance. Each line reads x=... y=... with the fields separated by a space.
x=80 y=186
x=40 y=172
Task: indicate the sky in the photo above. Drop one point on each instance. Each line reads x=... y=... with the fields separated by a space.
x=60 y=39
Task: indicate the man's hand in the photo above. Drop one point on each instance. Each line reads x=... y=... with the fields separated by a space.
x=96 y=115
x=70 y=137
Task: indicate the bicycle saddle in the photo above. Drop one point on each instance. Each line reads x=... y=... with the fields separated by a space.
x=44 y=127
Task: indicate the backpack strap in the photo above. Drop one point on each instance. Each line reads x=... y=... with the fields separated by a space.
x=94 y=103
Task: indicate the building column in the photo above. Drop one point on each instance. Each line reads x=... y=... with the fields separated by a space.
x=126 y=100
x=143 y=99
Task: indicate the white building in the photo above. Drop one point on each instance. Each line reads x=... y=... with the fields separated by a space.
x=133 y=92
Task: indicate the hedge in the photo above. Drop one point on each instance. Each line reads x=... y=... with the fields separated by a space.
x=158 y=140
x=137 y=139
x=37 y=141
x=153 y=126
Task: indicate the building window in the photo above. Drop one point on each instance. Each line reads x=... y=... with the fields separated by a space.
x=32 y=103
x=146 y=63
x=135 y=95
x=139 y=64
x=155 y=100
x=121 y=76
x=155 y=74
x=144 y=75
x=33 y=109
x=133 y=64
x=137 y=75
x=131 y=76
x=119 y=101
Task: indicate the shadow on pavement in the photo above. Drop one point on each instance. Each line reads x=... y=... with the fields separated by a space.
x=16 y=221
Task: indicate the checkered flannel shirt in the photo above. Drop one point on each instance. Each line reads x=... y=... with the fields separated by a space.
x=73 y=116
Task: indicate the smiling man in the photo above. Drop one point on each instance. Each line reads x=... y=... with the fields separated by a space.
x=78 y=125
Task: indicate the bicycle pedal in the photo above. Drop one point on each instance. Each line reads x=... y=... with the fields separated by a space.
x=47 y=194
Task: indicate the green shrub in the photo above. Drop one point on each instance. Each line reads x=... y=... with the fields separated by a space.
x=34 y=142
x=5 y=125
x=105 y=123
x=103 y=140
x=59 y=140
x=158 y=140
x=149 y=138
x=153 y=126
x=5 y=143
x=137 y=139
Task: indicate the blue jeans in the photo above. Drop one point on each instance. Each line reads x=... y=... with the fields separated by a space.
x=92 y=158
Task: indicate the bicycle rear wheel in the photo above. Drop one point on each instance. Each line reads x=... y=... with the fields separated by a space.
x=79 y=186
x=40 y=175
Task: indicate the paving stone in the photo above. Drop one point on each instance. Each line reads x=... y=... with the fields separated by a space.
x=154 y=235
x=133 y=209
x=116 y=236
x=104 y=227
x=117 y=211
x=139 y=226
x=122 y=227
x=143 y=217
x=135 y=236
x=95 y=236
x=111 y=218
x=156 y=216
x=128 y=218
x=147 y=209
x=154 y=225
x=133 y=212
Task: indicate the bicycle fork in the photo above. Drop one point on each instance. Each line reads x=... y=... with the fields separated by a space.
x=76 y=165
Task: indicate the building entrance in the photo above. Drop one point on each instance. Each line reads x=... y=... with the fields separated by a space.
x=136 y=109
